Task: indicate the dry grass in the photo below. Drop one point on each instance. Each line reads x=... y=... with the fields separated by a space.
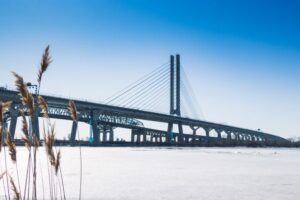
x=30 y=103
x=25 y=131
x=44 y=106
x=45 y=62
x=73 y=111
x=26 y=96
x=11 y=147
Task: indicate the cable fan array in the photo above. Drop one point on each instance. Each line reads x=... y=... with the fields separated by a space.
x=152 y=93
x=189 y=104
x=149 y=93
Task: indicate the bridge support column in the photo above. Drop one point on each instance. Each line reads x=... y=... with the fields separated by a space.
x=104 y=136
x=207 y=130
x=169 y=136
x=219 y=134
x=228 y=135
x=138 y=140
x=5 y=126
x=35 y=123
x=184 y=139
x=13 y=122
x=248 y=137
x=73 y=133
x=258 y=140
x=96 y=134
x=180 y=134
x=132 y=136
x=194 y=128
x=235 y=136
x=95 y=140
x=111 y=134
x=243 y=138
x=144 y=137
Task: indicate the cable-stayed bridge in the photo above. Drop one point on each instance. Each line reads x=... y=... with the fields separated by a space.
x=164 y=96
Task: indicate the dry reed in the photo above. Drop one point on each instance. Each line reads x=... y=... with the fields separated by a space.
x=44 y=106
x=11 y=147
x=45 y=62
x=73 y=111
x=25 y=137
x=26 y=96
x=31 y=140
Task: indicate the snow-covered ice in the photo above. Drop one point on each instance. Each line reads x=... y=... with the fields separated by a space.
x=177 y=173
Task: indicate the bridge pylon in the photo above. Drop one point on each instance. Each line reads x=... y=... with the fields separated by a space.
x=175 y=97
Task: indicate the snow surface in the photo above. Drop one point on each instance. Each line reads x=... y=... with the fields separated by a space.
x=173 y=173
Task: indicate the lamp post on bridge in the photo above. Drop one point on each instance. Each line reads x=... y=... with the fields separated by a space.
x=34 y=86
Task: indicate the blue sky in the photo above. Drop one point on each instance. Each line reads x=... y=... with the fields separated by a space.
x=242 y=57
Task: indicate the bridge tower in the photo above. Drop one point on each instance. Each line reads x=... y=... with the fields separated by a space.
x=174 y=97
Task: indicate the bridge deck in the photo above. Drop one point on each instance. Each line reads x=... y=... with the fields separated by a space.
x=85 y=107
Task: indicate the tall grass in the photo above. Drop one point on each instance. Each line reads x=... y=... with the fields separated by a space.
x=31 y=105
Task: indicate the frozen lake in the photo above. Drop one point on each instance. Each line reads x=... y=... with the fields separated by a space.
x=177 y=173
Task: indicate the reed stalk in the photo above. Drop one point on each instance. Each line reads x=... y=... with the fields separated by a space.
x=14 y=189
x=73 y=112
x=13 y=155
x=30 y=102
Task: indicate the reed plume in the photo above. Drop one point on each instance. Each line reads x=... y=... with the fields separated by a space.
x=11 y=147
x=44 y=106
x=13 y=154
x=4 y=106
x=25 y=137
x=26 y=96
x=45 y=62
x=73 y=111
x=30 y=102
x=57 y=162
x=49 y=143
x=24 y=123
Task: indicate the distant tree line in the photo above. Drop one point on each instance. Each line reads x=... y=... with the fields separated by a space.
x=295 y=141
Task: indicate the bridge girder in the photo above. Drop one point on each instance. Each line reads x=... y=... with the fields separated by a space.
x=125 y=116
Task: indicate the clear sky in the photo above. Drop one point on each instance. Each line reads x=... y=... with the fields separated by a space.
x=242 y=57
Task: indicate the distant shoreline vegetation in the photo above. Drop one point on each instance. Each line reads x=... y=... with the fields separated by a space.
x=295 y=141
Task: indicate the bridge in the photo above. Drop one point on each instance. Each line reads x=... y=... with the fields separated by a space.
x=164 y=82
